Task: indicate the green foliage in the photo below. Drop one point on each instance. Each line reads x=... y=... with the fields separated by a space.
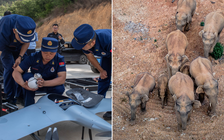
x=202 y=23
x=217 y=51
x=35 y=9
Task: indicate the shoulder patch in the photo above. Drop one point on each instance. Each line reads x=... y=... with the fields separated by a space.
x=61 y=64
x=103 y=53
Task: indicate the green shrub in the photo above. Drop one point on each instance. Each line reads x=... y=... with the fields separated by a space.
x=202 y=23
x=217 y=51
x=36 y=9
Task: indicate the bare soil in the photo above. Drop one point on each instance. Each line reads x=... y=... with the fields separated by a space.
x=98 y=16
x=136 y=25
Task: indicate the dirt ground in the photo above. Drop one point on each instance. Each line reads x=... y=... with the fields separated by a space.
x=136 y=24
x=99 y=17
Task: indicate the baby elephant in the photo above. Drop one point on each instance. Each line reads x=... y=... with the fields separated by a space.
x=162 y=89
x=214 y=23
x=181 y=86
x=176 y=44
x=201 y=71
x=143 y=84
x=185 y=12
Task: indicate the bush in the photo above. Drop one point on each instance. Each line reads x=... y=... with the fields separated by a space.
x=202 y=23
x=35 y=9
x=217 y=51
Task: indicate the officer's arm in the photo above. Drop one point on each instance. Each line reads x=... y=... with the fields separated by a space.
x=17 y=75
x=22 y=52
x=94 y=62
x=24 y=48
x=56 y=81
x=62 y=41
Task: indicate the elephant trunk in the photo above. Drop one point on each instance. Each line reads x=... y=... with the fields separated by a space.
x=184 y=120
x=174 y=71
x=133 y=113
x=206 y=50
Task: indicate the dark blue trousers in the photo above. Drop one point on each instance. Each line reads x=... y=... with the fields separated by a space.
x=8 y=58
x=104 y=84
x=29 y=95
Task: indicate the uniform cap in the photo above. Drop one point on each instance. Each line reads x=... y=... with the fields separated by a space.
x=25 y=27
x=82 y=35
x=49 y=44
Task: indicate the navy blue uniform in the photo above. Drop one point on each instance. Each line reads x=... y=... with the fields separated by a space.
x=102 y=48
x=10 y=48
x=48 y=72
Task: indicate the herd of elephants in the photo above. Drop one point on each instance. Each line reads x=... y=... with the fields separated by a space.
x=185 y=80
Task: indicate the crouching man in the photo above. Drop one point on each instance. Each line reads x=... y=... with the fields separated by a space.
x=96 y=42
x=49 y=64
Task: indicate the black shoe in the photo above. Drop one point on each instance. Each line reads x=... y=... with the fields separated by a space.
x=107 y=115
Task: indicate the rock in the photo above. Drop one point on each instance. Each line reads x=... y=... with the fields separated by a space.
x=123 y=128
x=152 y=119
x=212 y=1
x=168 y=128
x=182 y=134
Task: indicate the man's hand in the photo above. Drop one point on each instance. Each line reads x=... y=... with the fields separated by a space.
x=40 y=82
x=59 y=37
x=17 y=62
x=103 y=74
x=25 y=85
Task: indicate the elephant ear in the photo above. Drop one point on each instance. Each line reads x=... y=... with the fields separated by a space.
x=188 y=18
x=201 y=33
x=196 y=104
x=166 y=58
x=184 y=60
x=144 y=97
x=174 y=97
x=200 y=90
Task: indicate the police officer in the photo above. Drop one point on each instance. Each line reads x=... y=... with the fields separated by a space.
x=97 y=43
x=49 y=64
x=16 y=32
x=58 y=36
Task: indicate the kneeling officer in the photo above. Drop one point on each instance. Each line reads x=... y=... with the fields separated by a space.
x=49 y=64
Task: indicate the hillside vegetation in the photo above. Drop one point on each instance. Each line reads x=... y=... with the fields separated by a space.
x=35 y=9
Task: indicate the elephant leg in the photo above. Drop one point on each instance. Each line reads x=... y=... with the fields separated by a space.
x=187 y=27
x=166 y=99
x=159 y=94
x=143 y=107
x=201 y=97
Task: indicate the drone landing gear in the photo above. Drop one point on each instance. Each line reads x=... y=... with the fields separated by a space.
x=90 y=133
